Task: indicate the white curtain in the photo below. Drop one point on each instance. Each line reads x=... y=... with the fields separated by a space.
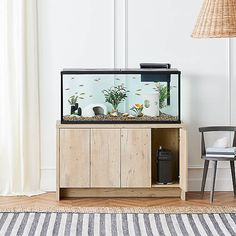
x=19 y=99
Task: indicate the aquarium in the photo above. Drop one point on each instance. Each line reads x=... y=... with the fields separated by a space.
x=120 y=96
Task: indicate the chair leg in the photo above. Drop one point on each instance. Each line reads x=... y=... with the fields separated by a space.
x=213 y=181
x=205 y=170
x=233 y=176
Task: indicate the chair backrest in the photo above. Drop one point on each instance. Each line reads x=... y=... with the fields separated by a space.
x=215 y=129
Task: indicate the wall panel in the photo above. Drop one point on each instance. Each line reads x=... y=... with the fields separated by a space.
x=72 y=34
x=159 y=31
x=78 y=33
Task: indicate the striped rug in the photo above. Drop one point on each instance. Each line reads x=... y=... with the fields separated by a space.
x=70 y=223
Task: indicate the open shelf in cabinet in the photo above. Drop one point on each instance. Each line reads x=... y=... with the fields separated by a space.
x=167 y=138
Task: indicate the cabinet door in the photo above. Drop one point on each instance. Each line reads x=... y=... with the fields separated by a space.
x=136 y=158
x=74 y=157
x=105 y=158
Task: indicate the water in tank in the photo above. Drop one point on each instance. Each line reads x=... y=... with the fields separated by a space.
x=120 y=96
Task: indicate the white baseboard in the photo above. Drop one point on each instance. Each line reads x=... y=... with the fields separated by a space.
x=221 y=184
x=223 y=179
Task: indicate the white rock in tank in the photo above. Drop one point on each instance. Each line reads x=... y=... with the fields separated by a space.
x=151 y=104
x=94 y=109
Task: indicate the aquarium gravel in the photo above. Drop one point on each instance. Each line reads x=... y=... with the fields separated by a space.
x=120 y=117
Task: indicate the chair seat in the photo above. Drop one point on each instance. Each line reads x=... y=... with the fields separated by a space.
x=204 y=157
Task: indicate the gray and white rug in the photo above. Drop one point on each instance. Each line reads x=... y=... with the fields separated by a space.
x=46 y=223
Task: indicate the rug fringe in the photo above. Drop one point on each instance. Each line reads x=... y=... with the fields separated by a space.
x=163 y=210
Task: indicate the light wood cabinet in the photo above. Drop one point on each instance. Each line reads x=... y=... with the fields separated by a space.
x=118 y=160
x=105 y=158
x=74 y=158
x=136 y=158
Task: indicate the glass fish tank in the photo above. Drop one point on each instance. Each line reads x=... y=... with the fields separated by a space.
x=120 y=96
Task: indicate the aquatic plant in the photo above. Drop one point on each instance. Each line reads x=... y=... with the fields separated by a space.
x=164 y=94
x=73 y=100
x=137 y=108
x=115 y=95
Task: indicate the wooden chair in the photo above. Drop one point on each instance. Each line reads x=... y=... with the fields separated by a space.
x=216 y=159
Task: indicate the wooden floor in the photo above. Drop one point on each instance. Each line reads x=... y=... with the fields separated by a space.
x=48 y=200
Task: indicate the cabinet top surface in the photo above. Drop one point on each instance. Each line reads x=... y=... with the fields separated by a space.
x=118 y=126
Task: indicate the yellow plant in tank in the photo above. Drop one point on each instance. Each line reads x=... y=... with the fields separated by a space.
x=137 y=108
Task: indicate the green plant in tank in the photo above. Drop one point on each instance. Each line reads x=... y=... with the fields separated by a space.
x=73 y=100
x=163 y=94
x=115 y=95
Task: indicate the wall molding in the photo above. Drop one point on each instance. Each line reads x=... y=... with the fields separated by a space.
x=222 y=166
x=120 y=33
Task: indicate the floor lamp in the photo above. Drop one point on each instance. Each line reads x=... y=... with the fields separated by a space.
x=217 y=19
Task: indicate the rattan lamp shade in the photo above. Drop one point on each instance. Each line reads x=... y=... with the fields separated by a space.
x=217 y=19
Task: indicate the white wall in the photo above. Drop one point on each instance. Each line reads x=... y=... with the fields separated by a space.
x=72 y=34
x=106 y=33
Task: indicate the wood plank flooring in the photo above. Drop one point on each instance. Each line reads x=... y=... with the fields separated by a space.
x=49 y=200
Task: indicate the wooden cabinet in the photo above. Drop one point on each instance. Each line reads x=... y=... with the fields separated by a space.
x=136 y=158
x=118 y=160
x=74 y=158
x=105 y=158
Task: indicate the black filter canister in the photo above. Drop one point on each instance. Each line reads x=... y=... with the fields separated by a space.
x=165 y=166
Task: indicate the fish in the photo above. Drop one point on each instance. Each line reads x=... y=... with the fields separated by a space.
x=81 y=85
x=76 y=92
x=138 y=94
x=134 y=78
x=81 y=97
x=72 y=78
x=146 y=84
x=90 y=96
x=82 y=93
x=97 y=79
x=117 y=79
x=139 y=90
x=67 y=89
